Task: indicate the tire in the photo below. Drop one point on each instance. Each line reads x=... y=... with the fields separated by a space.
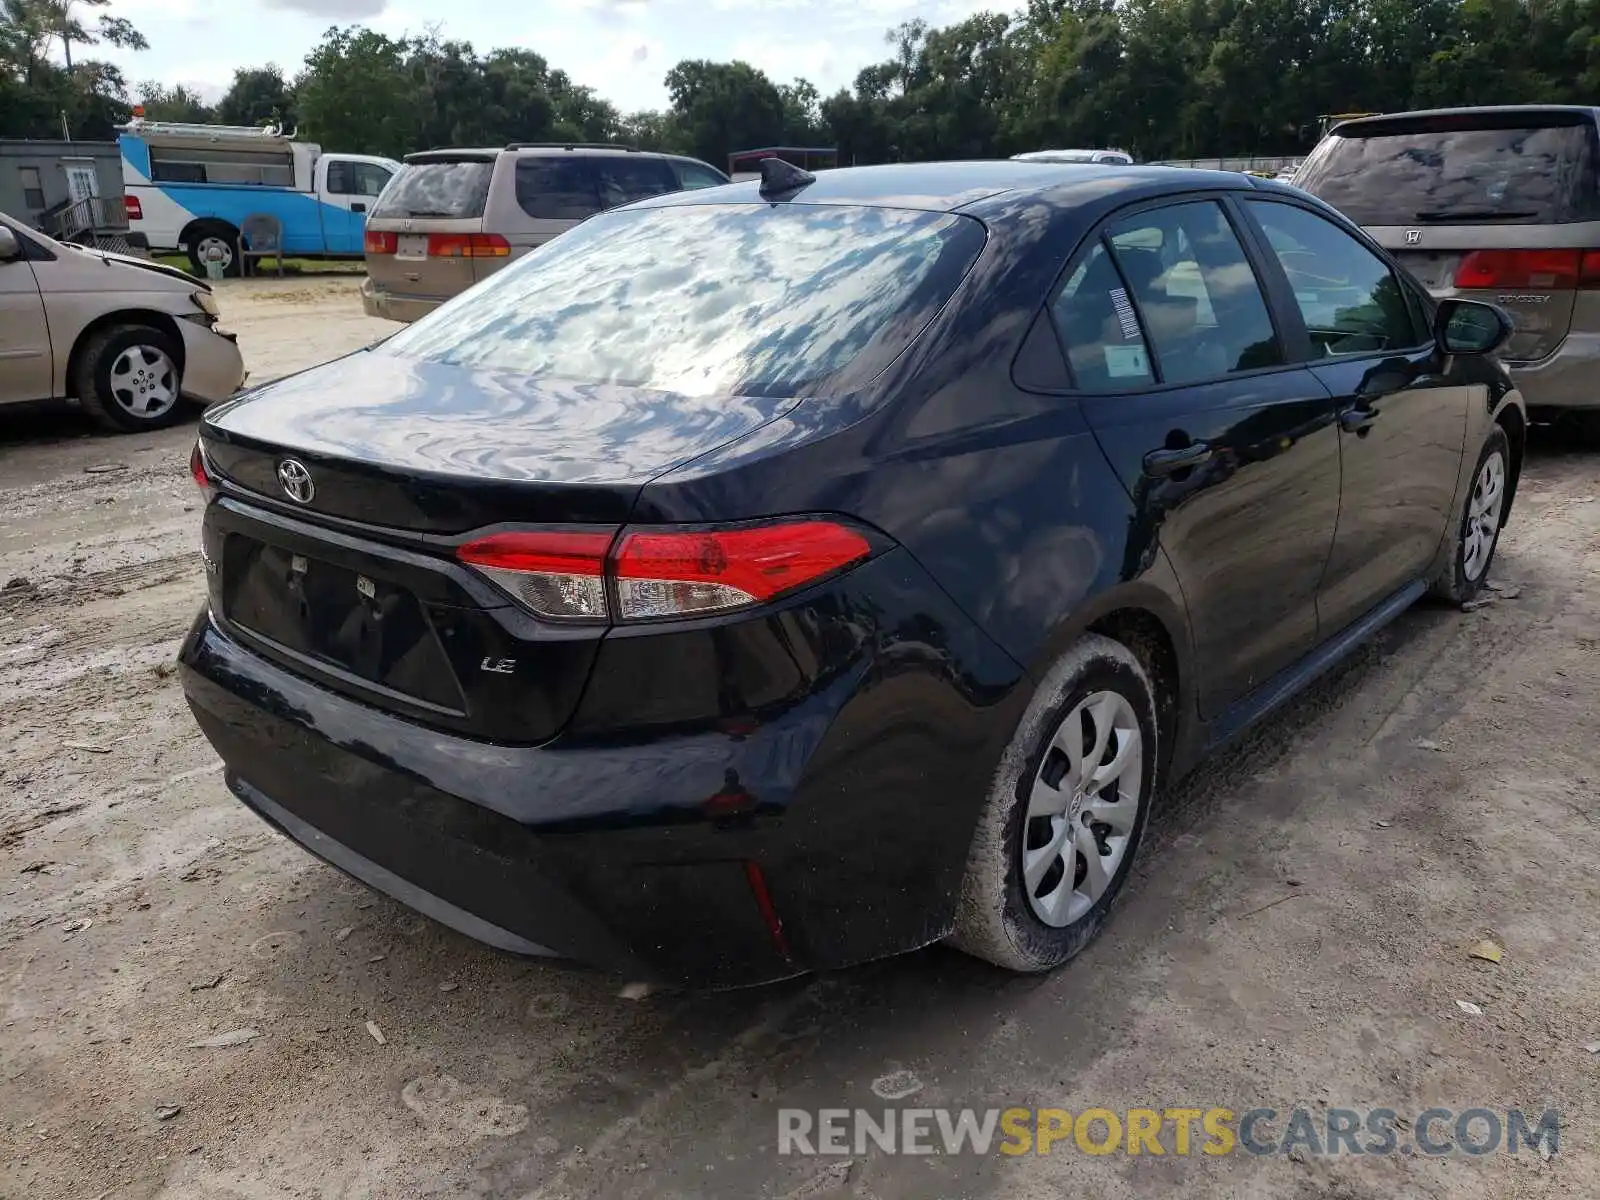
x=123 y=369
x=997 y=918
x=213 y=231
x=1472 y=544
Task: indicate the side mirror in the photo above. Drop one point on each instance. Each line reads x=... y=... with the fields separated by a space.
x=1471 y=327
x=10 y=248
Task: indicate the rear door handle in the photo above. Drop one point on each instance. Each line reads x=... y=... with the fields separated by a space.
x=1167 y=462
x=1357 y=420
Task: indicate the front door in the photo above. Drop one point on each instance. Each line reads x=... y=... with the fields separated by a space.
x=350 y=187
x=1402 y=419
x=82 y=182
x=1230 y=455
x=25 y=360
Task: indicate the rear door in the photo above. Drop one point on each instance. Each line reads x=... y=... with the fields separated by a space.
x=1230 y=455
x=1497 y=205
x=1402 y=415
x=548 y=194
x=421 y=221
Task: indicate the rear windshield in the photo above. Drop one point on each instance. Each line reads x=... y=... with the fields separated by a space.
x=708 y=299
x=1532 y=174
x=437 y=189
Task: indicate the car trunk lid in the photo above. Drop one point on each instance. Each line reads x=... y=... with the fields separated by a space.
x=1513 y=266
x=410 y=445
x=349 y=573
x=425 y=237
x=1493 y=204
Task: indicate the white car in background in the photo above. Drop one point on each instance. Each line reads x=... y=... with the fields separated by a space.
x=1076 y=156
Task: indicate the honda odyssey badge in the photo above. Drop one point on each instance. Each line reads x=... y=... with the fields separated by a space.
x=296 y=481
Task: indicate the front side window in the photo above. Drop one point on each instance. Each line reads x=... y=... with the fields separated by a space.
x=1350 y=300
x=707 y=300
x=356 y=179
x=692 y=175
x=1099 y=329
x=1197 y=296
x=557 y=189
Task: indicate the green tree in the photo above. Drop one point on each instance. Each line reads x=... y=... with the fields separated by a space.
x=176 y=103
x=259 y=96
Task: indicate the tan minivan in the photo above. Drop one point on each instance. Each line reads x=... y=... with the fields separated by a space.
x=128 y=338
x=452 y=217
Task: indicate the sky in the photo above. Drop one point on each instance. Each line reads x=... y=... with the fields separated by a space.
x=621 y=48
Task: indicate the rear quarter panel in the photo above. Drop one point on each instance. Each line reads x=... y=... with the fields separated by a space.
x=1002 y=495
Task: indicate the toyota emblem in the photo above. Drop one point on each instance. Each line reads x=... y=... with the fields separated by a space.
x=1413 y=236
x=296 y=481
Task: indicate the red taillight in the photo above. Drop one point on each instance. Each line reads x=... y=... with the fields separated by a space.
x=380 y=241
x=130 y=205
x=1555 y=269
x=565 y=574
x=557 y=573
x=467 y=245
x=197 y=469
x=664 y=574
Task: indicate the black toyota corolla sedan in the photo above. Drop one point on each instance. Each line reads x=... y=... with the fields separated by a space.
x=762 y=579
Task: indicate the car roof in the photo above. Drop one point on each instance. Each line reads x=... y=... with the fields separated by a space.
x=959 y=186
x=1495 y=112
x=490 y=153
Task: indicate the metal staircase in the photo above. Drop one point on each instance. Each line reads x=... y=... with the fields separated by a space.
x=97 y=221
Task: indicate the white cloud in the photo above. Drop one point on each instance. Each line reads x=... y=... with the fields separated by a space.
x=333 y=10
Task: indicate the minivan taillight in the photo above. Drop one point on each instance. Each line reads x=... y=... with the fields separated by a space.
x=662 y=572
x=131 y=206
x=467 y=245
x=380 y=241
x=1554 y=269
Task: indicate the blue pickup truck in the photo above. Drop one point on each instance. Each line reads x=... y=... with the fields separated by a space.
x=190 y=187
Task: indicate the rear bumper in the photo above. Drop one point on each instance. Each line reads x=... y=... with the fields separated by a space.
x=1568 y=379
x=828 y=831
x=213 y=368
x=378 y=303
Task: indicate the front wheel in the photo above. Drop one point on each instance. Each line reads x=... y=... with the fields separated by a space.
x=127 y=379
x=1064 y=817
x=1476 y=533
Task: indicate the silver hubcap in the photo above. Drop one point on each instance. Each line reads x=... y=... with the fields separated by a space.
x=1483 y=515
x=1081 y=812
x=144 y=383
x=211 y=245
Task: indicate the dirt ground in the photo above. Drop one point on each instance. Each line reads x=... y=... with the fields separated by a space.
x=1298 y=933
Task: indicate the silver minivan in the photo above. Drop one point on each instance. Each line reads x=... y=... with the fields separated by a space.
x=452 y=217
x=1498 y=204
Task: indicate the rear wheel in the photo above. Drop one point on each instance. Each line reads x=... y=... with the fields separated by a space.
x=1066 y=812
x=1477 y=530
x=127 y=379
x=215 y=236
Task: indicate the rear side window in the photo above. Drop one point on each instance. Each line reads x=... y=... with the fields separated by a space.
x=1352 y=303
x=702 y=300
x=624 y=180
x=449 y=189
x=1194 y=293
x=1450 y=170
x=1099 y=330
x=557 y=189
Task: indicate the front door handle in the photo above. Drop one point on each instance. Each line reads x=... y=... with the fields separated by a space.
x=359 y=207
x=1357 y=420
x=1161 y=463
